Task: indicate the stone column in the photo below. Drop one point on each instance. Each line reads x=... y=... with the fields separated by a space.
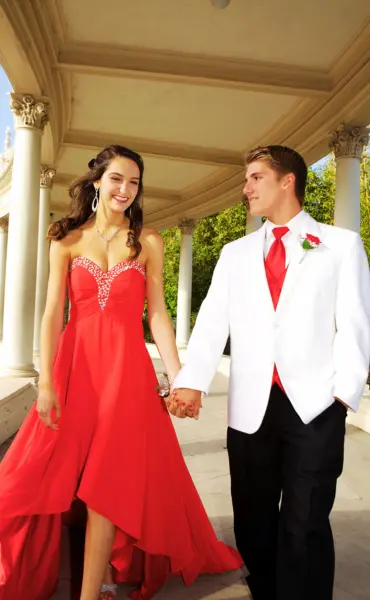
x=46 y=183
x=4 y=222
x=31 y=116
x=348 y=143
x=187 y=227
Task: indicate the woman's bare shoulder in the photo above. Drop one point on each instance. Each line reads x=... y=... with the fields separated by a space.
x=151 y=237
x=67 y=245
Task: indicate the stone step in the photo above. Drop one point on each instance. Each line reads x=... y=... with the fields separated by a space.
x=16 y=399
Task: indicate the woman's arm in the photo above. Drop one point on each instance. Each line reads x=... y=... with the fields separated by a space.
x=159 y=321
x=52 y=320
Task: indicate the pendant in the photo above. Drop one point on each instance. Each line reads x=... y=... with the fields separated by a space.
x=106 y=240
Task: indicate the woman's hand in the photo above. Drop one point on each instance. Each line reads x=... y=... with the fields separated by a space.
x=48 y=407
x=184 y=403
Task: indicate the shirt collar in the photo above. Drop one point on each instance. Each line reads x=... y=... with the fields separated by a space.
x=295 y=225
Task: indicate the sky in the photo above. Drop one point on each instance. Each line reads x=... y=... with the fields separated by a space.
x=6 y=117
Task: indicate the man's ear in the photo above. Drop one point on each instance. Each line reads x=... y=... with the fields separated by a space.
x=289 y=180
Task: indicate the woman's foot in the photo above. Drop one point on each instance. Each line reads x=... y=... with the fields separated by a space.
x=108 y=592
x=109 y=588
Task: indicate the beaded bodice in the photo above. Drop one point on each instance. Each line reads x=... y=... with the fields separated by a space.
x=121 y=288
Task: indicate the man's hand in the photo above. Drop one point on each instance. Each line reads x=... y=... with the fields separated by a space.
x=185 y=403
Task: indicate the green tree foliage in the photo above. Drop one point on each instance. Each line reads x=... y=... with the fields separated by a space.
x=210 y=236
x=172 y=241
x=320 y=193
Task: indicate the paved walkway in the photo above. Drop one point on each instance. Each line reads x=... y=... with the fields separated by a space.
x=203 y=445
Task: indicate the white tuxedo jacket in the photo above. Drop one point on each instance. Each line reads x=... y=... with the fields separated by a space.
x=319 y=336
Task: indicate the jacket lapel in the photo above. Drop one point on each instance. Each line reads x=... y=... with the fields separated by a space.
x=255 y=244
x=297 y=263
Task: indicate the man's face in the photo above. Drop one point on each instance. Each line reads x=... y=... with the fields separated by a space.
x=264 y=188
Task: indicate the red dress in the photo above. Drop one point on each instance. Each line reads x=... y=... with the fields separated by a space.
x=116 y=450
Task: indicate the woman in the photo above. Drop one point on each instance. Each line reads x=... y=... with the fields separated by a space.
x=99 y=431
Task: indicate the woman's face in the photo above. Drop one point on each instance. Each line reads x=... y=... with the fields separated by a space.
x=119 y=184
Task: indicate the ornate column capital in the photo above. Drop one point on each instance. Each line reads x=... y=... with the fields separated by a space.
x=29 y=112
x=187 y=226
x=47 y=175
x=349 y=142
x=4 y=224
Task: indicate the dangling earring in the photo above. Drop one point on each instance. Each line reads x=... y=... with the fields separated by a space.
x=95 y=202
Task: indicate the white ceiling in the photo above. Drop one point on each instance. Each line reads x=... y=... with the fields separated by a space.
x=190 y=87
x=308 y=34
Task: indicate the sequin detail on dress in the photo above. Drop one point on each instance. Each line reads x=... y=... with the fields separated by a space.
x=104 y=279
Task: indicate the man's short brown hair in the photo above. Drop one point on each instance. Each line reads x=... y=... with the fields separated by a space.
x=283 y=160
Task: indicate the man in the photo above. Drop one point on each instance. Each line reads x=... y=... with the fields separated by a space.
x=295 y=298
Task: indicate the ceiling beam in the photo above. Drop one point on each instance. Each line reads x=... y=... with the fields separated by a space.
x=201 y=203
x=162 y=194
x=209 y=156
x=192 y=68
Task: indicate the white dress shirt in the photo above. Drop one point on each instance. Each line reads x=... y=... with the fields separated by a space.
x=289 y=239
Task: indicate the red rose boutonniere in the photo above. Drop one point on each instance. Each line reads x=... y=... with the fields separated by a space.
x=310 y=242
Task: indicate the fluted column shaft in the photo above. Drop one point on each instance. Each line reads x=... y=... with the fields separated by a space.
x=46 y=182
x=348 y=144
x=31 y=116
x=187 y=227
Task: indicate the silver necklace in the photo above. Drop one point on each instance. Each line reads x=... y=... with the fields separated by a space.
x=104 y=238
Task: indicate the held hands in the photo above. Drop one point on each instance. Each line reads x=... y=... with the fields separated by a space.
x=48 y=407
x=184 y=403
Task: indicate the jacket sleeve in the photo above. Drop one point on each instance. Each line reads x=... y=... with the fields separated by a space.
x=210 y=332
x=352 y=316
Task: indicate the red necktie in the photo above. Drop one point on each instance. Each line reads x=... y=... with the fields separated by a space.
x=275 y=273
x=275 y=264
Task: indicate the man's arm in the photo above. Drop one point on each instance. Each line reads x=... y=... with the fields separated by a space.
x=210 y=333
x=352 y=316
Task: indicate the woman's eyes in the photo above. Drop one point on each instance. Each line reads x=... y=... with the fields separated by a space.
x=117 y=179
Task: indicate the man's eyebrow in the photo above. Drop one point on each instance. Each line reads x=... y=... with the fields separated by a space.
x=253 y=174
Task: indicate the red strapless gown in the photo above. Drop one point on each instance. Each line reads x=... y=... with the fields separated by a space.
x=116 y=450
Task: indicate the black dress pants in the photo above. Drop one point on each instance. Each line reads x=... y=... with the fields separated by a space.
x=283 y=484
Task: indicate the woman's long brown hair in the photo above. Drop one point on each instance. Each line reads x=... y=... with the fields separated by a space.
x=82 y=192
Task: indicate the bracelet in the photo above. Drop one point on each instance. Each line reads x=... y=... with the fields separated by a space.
x=45 y=386
x=166 y=382
x=171 y=377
